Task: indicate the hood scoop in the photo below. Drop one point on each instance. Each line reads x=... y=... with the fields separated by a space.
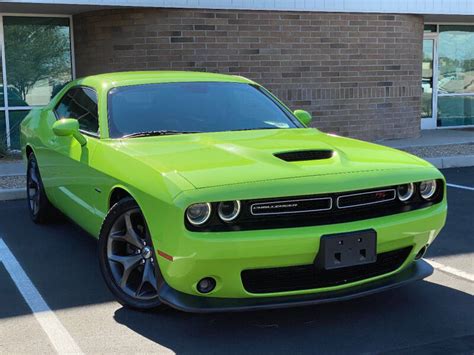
x=305 y=155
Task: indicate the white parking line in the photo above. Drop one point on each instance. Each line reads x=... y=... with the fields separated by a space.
x=450 y=270
x=56 y=332
x=461 y=187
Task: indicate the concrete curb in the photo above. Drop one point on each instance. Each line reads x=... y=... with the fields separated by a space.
x=10 y=175
x=455 y=161
x=12 y=194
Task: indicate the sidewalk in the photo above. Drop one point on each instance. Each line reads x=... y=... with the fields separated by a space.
x=12 y=168
x=444 y=148
x=434 y=137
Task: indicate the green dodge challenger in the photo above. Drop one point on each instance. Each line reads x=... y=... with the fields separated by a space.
x=208 y=194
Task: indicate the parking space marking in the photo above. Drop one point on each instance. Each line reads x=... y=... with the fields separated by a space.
x=451 y=270
x=461 y=187
x=54 y=329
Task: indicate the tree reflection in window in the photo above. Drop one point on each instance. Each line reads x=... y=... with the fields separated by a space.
x=38 y=58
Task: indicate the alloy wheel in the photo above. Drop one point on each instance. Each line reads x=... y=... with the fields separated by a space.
x=130 y=256
x=33 y=185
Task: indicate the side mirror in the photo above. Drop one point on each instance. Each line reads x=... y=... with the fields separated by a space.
x=69 y=127
x=303 y=116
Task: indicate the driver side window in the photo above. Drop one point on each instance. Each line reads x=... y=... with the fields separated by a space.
x=80 y=103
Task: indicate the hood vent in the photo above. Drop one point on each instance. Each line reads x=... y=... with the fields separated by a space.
x=305 y=155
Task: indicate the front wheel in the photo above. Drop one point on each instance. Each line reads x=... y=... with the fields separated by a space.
x=126 y=257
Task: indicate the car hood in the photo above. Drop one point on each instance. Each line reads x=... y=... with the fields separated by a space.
x=225 y=158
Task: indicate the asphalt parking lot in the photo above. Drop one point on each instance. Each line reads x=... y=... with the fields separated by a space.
x=62 y=283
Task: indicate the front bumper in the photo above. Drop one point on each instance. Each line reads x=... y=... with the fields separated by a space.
x=224 y=256
x=198 y=304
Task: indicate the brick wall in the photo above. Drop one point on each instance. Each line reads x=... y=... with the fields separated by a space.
x=358 y=74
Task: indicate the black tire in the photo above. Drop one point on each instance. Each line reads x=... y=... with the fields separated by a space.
x=40 y=209
x=115 y=243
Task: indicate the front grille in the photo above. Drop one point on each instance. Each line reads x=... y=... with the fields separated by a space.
x=366 y=198
x=305 y=277
x=316 y=210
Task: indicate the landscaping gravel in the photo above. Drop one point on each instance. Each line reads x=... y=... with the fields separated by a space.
x=12 y=182
x=441 y=150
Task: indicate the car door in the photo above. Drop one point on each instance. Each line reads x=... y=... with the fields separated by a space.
x=70 y=174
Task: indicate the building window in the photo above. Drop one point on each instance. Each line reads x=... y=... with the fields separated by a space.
x=3 y=127
x=456 y=76
x=37 y=64
x=15 y=119
x=430 y=28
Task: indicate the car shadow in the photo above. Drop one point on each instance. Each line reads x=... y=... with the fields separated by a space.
x=415 y=314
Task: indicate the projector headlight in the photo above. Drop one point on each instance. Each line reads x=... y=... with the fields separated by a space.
x=405 y=192
x=198 y=213
x=427 y=189
x=229 y=210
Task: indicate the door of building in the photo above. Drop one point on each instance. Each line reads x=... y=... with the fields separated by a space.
x=429 y=82
x=448 y=76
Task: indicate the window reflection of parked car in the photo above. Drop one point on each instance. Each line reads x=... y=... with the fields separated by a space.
x=14 y=97
x=427 y=84
x=447 y=83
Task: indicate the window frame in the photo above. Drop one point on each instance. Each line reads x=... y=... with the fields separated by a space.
x=83 y=131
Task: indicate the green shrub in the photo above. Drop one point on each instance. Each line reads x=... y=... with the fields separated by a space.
x=3 y=149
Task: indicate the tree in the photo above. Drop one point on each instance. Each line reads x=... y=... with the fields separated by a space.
x=34 y=53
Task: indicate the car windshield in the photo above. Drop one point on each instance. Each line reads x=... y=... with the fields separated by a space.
x=174 y=108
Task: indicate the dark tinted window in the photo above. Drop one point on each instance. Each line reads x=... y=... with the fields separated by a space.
x=202 y=107
x=81 y=104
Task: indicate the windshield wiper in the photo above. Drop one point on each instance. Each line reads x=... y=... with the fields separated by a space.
x=163 y=132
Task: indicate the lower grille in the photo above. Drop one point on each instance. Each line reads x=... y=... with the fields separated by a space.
x=305 y=277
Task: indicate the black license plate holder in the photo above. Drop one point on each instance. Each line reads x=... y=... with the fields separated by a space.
x=347 y=249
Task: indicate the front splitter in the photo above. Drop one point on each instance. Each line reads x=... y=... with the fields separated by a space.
x=418 y=270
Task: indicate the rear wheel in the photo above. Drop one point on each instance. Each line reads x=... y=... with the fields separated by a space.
x=39 y=206
x=126 y=257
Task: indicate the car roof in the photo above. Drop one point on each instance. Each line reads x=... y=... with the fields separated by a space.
x=155 y=77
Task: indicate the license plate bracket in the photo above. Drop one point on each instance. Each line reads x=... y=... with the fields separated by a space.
x=347 y=249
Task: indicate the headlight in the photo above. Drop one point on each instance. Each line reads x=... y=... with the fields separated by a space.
x=427 y=189
x=198 y=213
x=229 y=210
x=405 y=192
